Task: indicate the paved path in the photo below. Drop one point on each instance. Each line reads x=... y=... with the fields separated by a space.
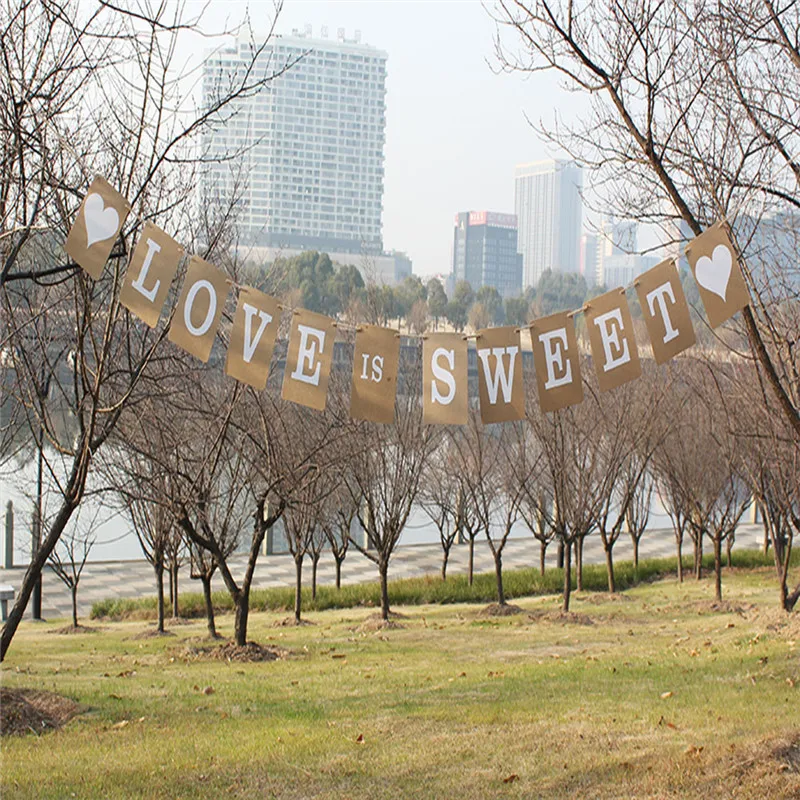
x=102 y=580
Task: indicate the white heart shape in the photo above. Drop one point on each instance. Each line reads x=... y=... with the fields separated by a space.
x=101 y=222
x=714 y=273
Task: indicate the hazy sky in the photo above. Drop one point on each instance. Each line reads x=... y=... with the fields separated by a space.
x=454 y=129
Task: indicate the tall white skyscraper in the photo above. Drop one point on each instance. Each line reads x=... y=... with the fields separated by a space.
x=548 y=206
x=309 y=164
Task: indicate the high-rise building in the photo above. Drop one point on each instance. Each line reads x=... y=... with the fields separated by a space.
x=589 y=254
x=309 y=166
x=549 y=209
x=485 y=251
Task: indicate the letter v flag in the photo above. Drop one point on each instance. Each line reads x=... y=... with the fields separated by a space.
x=500 y=386
x=255 y=326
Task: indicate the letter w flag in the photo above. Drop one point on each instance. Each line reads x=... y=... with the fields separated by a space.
x=500 y=385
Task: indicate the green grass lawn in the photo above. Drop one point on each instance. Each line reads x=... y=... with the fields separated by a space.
x=450 y=705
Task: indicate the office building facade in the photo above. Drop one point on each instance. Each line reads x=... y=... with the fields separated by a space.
x=547 y=202
x=309 y=148
x=485 y=251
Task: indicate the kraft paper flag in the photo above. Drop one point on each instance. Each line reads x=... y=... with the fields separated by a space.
x=716 y=269
x=555 y=359
x=500 y=386
x=665 y=311
x=153 y=265
x=99 y=221
x=308 y=361
x=255 y=326
x=375 y=361
x=199 y=308
x=608 y=320
x=444 y=379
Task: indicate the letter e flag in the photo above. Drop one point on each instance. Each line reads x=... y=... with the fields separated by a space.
x=99 y=221
x=308 y=361
x=555 y=359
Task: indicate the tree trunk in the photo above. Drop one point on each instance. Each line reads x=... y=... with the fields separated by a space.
x=679 y=548
x=175 y=605
x=298 y=586
x=314 y=562
x=560 y=554
x=498 y=572
x=240 y=618
x=635 y=540
x=339 y=572
x=542 y=556
x=566 y=550
x=159 y=570
x=383 y=569
x=210 y=620
x=728 y=548
x=698 y=556
x=74 y=590
x=612 y=584
x=445 y=554
x=789 y=600
x=579 y=562
x=471 y=564
x=717 y=568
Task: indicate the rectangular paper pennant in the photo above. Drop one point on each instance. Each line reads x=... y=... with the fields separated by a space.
x=375 y=362
x=199 y=308
x=445 y=399
x=255 y=326
x=556 y=361
x=308 y=360
x=152 y=267
x=665 y=311
x=500 y=386
x=608 y=320
x=716 y=269
x=99 y=221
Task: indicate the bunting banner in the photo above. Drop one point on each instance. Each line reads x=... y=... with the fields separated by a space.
x=376 y=359
x=665 y=311
x=308 y=360
x=199 y=308
x=193 y=327
x=151 y=271
x=610 y=327
x=716 y=270
x=500 y=387
x=556 y=362
x=100 y=219
x=445 y=398
x=255 y=326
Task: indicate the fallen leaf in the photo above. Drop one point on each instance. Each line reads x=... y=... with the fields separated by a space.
x=511 y=778
x=115 y=697
x=208 y=690
x=119 y=725
x=338 y=655
x=360 y=738
x=666 y=695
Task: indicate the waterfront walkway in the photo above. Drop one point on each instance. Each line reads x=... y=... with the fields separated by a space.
x=108 y=579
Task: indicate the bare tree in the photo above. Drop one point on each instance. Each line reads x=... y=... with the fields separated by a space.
x=337 y=524
x=637 y=514
x=69 y=558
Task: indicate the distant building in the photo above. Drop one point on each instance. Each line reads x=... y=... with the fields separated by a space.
x=589 y=253
x=618 y=263
x=485 y=251
x=309 y=170
x=549 y=210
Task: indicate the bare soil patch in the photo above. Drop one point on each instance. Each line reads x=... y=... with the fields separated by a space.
x=32 y=711
x=68 y=630
x=291 y=622
x=375 y=622
x=598 y=598
x=722 y=607
x=496 y=610
x=230 y=651
x=152 y=633
x=561 y=617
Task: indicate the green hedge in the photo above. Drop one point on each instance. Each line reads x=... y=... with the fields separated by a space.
x=429 y=589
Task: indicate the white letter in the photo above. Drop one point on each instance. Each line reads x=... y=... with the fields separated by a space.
x=138 y=284
x=500 y=376
x=610 y=336
x=306 y=354
x=212 y=308
x=555 y=342
x=443 y=375
x=364 y=359
x=377 y=369
x=657 y=297
x=250 y=343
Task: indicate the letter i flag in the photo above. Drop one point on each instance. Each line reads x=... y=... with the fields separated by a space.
x=375 y=362
x=308 y=361
x=99 y=221
x=500 y=386
x=199 y=308
x=152 y=267
x=608 y=320
x=255 y=326
x=665 y=311
x=555 y=359
x=716 y=269
x=444 y=379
